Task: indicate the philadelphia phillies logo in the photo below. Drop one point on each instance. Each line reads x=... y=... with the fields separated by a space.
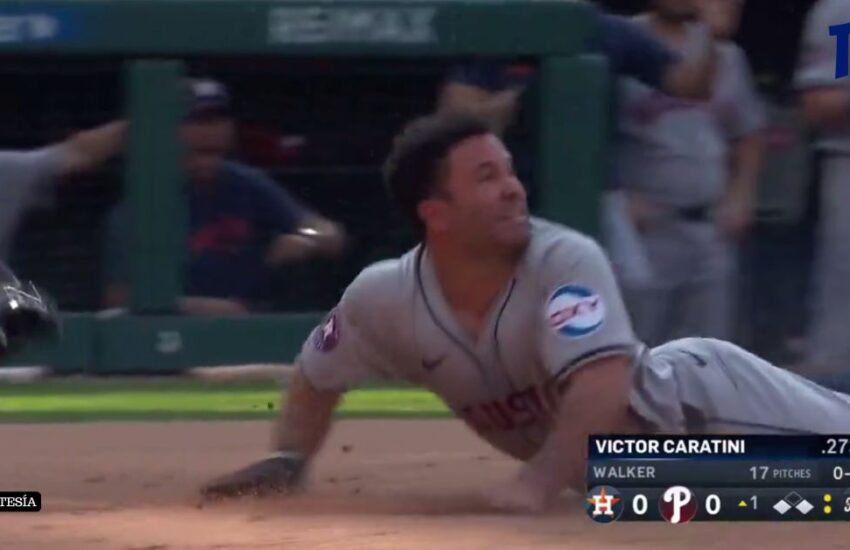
x=575 y=311
x=678 y=505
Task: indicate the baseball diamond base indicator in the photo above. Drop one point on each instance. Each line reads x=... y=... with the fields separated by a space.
x=679 y=479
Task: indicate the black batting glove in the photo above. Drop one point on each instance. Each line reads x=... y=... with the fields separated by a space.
x=280 y=474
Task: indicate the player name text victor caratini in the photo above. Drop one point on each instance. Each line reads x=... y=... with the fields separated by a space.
x=24 y=501
x=671 y=446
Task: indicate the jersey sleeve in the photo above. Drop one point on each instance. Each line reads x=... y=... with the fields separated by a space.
x=816 y=63
x=748 y=114
x=344 y=350
x=633 y=51
x=582 y=311
x=25 y=175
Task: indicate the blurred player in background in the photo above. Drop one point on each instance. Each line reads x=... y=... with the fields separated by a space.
x=27 y=177
x=690 y=173
x=826 y=107
x=518 y=325
x=498 y=92
x=241 y=222
x=494 y=90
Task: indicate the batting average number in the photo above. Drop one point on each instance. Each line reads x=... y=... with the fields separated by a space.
x=640 y=504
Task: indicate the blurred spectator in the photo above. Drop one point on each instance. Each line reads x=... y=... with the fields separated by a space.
x=826 y=107
x=26 y=176
x=689 y=171
x=498 y=91
x=241 y=223
x=495 y=89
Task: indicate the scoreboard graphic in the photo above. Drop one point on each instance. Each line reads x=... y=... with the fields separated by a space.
x=679 y=479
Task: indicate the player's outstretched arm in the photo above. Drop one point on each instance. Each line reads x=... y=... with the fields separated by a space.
x=88 y=148
x=595 y=401
x=341 y=352
x=305 y=419
x=298 y=434
x=315 y=236
x=497 y=107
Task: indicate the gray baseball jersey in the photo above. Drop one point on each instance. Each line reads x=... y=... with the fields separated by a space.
x=703 y=385
x=561 y=311
x=676 y=150
x=23 y=175
x=816 y=65
x=828 y=348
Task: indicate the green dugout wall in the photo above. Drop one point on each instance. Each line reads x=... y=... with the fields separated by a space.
x=154 y=35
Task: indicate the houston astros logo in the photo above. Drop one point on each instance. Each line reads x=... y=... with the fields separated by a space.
x=574 y=311
x=603 y=504
x=678 y=505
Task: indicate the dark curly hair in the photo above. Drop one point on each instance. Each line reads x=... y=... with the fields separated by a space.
x=412 y=171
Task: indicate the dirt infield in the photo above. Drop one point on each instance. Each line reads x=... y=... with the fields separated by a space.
x=382 y=484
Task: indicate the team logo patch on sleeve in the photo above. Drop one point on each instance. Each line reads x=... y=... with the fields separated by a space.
x=327 y=334
x=574 y=311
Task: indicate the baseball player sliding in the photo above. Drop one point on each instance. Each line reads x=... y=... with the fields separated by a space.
x=518 y=325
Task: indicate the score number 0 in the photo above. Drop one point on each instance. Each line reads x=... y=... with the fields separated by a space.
x=640 y=504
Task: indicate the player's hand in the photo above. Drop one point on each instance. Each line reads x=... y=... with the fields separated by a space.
x=735 y=216
x=316 y=237
x=643 y=213
x=519 y=496
x=276 y=475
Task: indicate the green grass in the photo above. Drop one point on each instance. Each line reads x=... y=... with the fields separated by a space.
x=80 y=400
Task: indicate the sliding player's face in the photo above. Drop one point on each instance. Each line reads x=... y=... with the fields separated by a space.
x=485 y=206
